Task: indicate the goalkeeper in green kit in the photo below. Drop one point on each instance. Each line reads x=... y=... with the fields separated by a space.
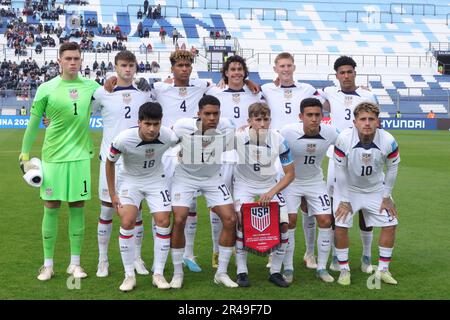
x=66 y=154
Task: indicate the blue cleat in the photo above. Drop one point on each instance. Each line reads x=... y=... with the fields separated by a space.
x=192 y=264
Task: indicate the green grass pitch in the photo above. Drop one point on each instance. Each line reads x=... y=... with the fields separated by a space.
x=420 y=261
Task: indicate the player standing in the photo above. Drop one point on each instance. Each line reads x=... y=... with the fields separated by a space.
x=360 y=155
x=142 y=177
x=284 y=101
x=119 y=111
x=202 y=174
x=257 y=176
x=66 y=154
x=341 y=102
x=309 y=141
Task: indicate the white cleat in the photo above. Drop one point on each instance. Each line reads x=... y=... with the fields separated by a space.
x=140 y=267
x=324 y=276
x=76 y=271
x=310 y=261
x=334 y=265
x=160 y=282
x=45 y=273
x=385 y=276
x=288 y=275
x=128 y=284
x=269 y=261
x=102 y=269
x=177 y=281
x=366 y=265
x=223 y=278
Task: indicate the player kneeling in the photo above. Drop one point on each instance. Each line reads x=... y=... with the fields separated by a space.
x=255 y=175
x=360 y=155
x=142 y=176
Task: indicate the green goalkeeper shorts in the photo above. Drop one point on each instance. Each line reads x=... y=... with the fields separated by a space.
x=66 y=181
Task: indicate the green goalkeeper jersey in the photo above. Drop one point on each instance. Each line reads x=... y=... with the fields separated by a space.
x=67 y=103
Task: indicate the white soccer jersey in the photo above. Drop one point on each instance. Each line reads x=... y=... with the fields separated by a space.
x=343 y=103
x=284 y=102
x=119 y=111
x=256 y=164
x=365 y=163
x=234 y=104
x=309 y=151
x=179 y=102
x=141 y=159
x=201 y=154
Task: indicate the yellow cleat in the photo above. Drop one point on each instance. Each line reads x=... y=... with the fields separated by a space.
x=215 y=260
x=344 y=278
x=385 y=276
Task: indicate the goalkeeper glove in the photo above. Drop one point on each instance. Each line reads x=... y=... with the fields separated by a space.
x=24 y=162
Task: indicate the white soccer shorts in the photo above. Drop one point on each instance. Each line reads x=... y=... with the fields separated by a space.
x=370 y=204
x=214 y=189
x=243 y=193
x=316 y=197
x=155 y=192
x=103 y=191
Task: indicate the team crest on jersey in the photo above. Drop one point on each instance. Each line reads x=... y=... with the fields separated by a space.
x=149 y=153
x=126 y=98
x=206 y=141
x=348 y=100
x=49 y=192
x=182 y=92
x=366 y=158
x=73 y=94
x=288 y=94
x=236 y=98
x=311 y=147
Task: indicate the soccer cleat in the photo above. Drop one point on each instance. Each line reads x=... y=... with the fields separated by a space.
x=385 y=276
x=310 y=261
x=323 y=275
x=344 y=278
x=334 y=265
x=278 y=279
x=242 y=280
x=223 y=278
x=215 y=260
x=269 y=261
x=288 y=275
x=102 y=269
x=192 y=264
x=177 y=281
x=128 y=284
x=45 y=273
x=76 y=271
x=160 y=282
x=140 y=267
x=366 y=265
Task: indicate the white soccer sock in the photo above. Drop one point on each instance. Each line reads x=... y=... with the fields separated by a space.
x=216 y=228
x=309 y=228
x=189 y=234
x=288 y=260
x=48 y=262
x=366 y=238
x=153 y=228
x=138 y=234
x=323 y=247
x=279 y=254
x=385 y=258
x=161 y=249
x=333 y=247
x=224 y=258
x=127 y=244
x=177 y=260
x=104 y=231
x=75 y=259
x=241 y=254
x=342 y=255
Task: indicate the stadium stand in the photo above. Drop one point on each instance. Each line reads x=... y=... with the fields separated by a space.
x=392 y=42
